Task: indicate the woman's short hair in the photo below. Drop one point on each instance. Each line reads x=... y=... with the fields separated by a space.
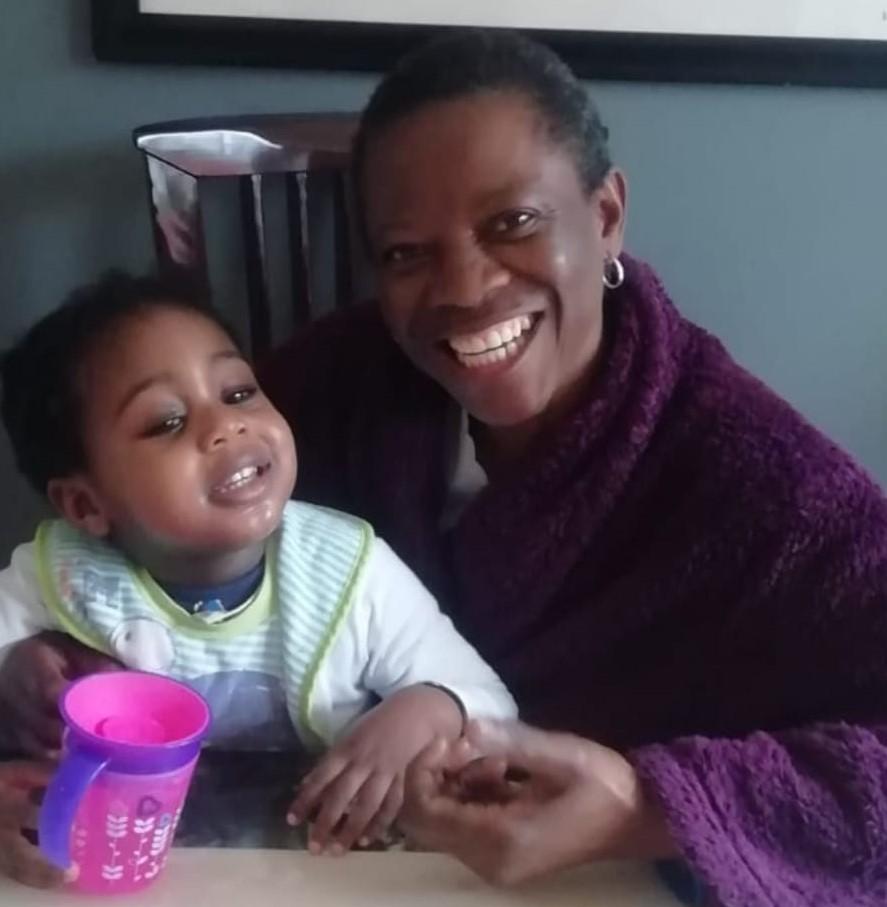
x=468 y=62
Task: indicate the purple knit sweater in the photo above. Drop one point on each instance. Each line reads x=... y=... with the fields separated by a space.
x=685 y=570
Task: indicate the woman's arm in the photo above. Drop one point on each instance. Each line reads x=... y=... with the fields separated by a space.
x=527 y=803
x=35 y=666
x=790 y=819
x=22 y=616
x=794 y=820
x=19 y=858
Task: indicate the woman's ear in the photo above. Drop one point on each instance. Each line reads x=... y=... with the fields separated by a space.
x=612 y=200
x=78 y=502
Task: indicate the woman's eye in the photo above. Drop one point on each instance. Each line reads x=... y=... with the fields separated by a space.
x=402 y=254
x=513 y=223
x=239 y=395
x=168 y=426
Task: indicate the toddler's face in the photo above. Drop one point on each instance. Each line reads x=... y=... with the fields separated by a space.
x=184 y=451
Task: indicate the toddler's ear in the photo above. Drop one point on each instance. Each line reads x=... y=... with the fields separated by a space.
x=77 y=501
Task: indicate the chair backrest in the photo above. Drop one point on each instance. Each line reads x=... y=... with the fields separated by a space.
x=285 y=180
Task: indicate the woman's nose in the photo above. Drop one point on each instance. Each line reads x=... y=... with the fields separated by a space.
x=467 y=276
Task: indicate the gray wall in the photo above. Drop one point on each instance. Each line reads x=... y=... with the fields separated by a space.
x=765 y=209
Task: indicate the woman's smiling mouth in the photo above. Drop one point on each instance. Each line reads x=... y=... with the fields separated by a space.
x=497 y=343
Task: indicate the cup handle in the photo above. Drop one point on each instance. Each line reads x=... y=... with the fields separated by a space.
x=78 y=770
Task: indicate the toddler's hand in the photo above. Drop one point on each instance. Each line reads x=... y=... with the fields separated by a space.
x=32 y=678
x=20 y=859
x=356 y=790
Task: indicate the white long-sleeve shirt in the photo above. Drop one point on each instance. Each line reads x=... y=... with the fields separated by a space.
x=392 y=636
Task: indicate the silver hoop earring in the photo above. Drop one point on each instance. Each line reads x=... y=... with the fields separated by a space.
x=614 y=274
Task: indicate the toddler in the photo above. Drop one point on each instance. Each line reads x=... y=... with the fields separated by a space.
x=179 y=551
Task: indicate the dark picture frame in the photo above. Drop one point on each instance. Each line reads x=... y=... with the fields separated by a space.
x=122 y=33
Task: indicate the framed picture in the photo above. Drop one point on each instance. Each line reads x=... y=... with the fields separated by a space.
x=814 y=42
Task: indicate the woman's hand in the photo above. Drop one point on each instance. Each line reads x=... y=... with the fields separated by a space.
x=33 y=676
x=356 y=790
x=514 y=803
x=19 y=858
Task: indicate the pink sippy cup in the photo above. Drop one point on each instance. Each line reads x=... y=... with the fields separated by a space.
x=131 y=744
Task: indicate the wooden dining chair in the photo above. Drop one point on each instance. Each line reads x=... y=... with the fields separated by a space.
x=284 y=183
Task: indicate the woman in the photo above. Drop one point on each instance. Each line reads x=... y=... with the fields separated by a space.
x=655 y=552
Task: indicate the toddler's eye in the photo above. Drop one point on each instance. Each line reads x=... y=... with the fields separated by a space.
x=167 y=426
x=239 y=395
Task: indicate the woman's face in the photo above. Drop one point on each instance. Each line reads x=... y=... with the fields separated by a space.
x=490 y=253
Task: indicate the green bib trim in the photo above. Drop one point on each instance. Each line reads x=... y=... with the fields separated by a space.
x=313 y=565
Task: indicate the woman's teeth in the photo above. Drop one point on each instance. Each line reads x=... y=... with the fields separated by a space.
x=495 y=344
